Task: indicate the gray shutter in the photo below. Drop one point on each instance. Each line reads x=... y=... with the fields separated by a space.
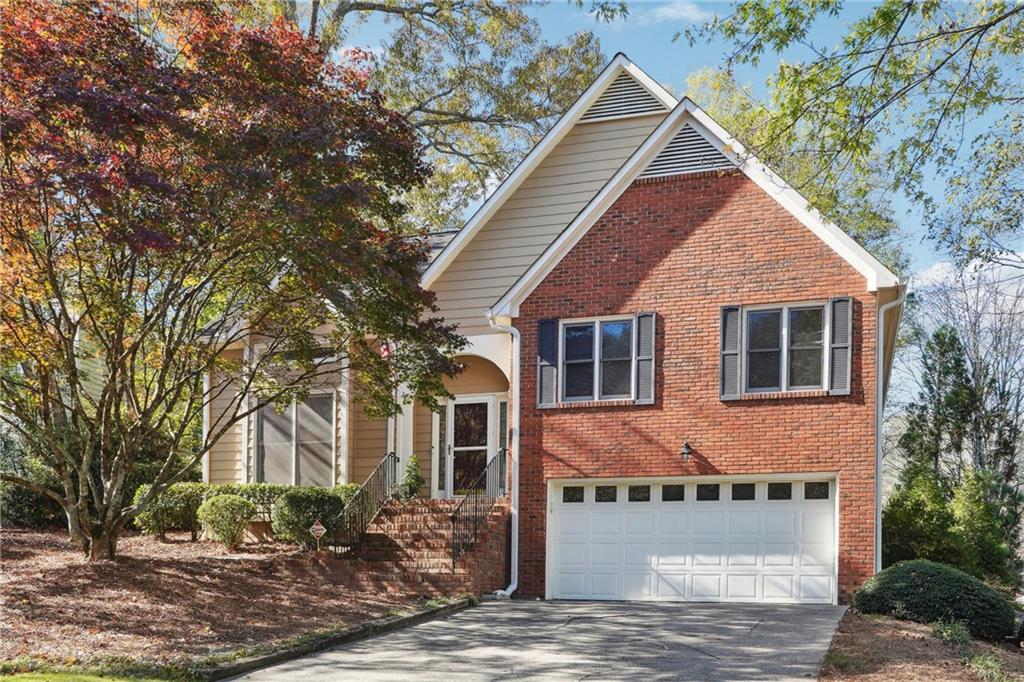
x=730 y=377
x=547 y=362
x=840 y=359
x=645 y=328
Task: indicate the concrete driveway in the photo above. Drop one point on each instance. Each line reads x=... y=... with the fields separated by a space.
x=586 y=640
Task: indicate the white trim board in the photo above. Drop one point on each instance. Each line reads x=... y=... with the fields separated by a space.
x=877 y=276
x=619 y=64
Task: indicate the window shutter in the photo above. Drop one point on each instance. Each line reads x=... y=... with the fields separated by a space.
x=730 y=371
x=547 y=362
x=645 y=358
x=841 y=311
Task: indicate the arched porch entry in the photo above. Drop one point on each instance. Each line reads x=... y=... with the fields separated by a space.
x=469 y=431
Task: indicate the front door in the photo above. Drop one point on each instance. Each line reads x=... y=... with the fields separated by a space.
x=471 y=437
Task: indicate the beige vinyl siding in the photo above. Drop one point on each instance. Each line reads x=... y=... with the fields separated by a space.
x=226 y=456
x=534 y=215
x=422 y=429
x=369 y=443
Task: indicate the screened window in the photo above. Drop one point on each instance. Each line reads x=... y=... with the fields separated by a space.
x=597 y=360
x=296 y=445
x=785 y=348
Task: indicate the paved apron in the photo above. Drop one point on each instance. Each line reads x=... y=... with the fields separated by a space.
x=587 y=640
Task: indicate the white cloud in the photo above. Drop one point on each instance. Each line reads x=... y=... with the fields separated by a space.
x=676 y=11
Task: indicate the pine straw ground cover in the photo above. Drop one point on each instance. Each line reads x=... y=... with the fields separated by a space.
x=165 y=603
x=870 y=648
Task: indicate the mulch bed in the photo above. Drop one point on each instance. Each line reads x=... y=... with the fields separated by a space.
x=165 y=601
x=870 y=648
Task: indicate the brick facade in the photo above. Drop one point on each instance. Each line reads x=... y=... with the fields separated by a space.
x=683 y=247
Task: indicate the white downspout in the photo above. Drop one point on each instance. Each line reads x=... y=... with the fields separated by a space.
x=514 y=439
x=879 y=413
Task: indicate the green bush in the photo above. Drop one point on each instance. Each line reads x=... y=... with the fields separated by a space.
x=928 y=592
x=299 y=508
x=917 y=523
x=174 y=509
x=225 y=518
x=24 y=508
x=979 y=528
x=412 y=480
x=263 y=495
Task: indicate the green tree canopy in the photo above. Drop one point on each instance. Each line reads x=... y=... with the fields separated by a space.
x=475 y=78
x=852 y=199
x=937 y=85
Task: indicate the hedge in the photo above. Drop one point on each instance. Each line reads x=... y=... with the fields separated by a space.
x=225 y=518
x=928 y=592
x=298 y=509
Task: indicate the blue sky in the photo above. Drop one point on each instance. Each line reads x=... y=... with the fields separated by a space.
x=646 y=37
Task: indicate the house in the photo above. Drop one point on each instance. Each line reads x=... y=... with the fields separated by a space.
x=684 y=363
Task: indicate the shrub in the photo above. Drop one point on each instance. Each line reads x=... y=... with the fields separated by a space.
x=225 y=518
x=299 y=508
x=412 y=480
x=917 y=523
x=926 y=592
x=174 y=509
x=24 y=508
x=263 y=495
x=979 y=528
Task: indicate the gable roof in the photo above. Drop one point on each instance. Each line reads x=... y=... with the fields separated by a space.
x=620 y=66
x=688 y=114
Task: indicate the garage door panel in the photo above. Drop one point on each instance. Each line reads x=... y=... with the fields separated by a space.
x=639 y=523
x=774 y=550
x=606 y=586
x=707 y=523
x=707 y=586
x=672 y=587
x=745 y=522
x=741 y=587
x=674 y=523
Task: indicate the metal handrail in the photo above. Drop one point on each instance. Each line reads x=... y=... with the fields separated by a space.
x=472 y=510
x=360 y=511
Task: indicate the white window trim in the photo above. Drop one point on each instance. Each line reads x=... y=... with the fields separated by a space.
x=784 y=308
x=595 y=395
x=294 y=409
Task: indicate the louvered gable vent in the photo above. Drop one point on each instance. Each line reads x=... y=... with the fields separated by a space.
x=624 y=97
x=688 y=152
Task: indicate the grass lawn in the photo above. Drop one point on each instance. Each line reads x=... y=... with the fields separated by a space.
x=75 y=677
x=163 y=603
x=870 y=648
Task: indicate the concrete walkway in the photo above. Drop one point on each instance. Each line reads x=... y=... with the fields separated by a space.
x=587 y=640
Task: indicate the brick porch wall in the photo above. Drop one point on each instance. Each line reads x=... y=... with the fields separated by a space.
x=683 y=247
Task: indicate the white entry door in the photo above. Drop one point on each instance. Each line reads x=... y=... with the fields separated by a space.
x=472 y=432
x=745 y=541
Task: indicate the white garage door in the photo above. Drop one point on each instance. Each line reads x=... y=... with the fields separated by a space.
x=708 y=541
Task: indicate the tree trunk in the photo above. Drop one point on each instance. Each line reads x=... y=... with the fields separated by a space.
x=102 y=544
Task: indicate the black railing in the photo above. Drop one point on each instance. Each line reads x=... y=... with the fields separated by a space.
x=473 y=508
x=380 y=486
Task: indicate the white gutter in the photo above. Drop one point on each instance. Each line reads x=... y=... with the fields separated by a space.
x=879 y=413
x=514 y=438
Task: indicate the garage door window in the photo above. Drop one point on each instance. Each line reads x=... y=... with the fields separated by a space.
x=605 y=493
x=673 y=493
x=572 y=493
x=816 y=490
x=743 y=491
x=780 y=491
x=707 y=492
x=639 y=493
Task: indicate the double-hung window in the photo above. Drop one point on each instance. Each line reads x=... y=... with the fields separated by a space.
x=598 y=359
x=785 y=348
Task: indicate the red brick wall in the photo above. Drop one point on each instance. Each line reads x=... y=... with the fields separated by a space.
x=683 y=247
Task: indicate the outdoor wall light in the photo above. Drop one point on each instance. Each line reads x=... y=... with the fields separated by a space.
x=685 y=452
